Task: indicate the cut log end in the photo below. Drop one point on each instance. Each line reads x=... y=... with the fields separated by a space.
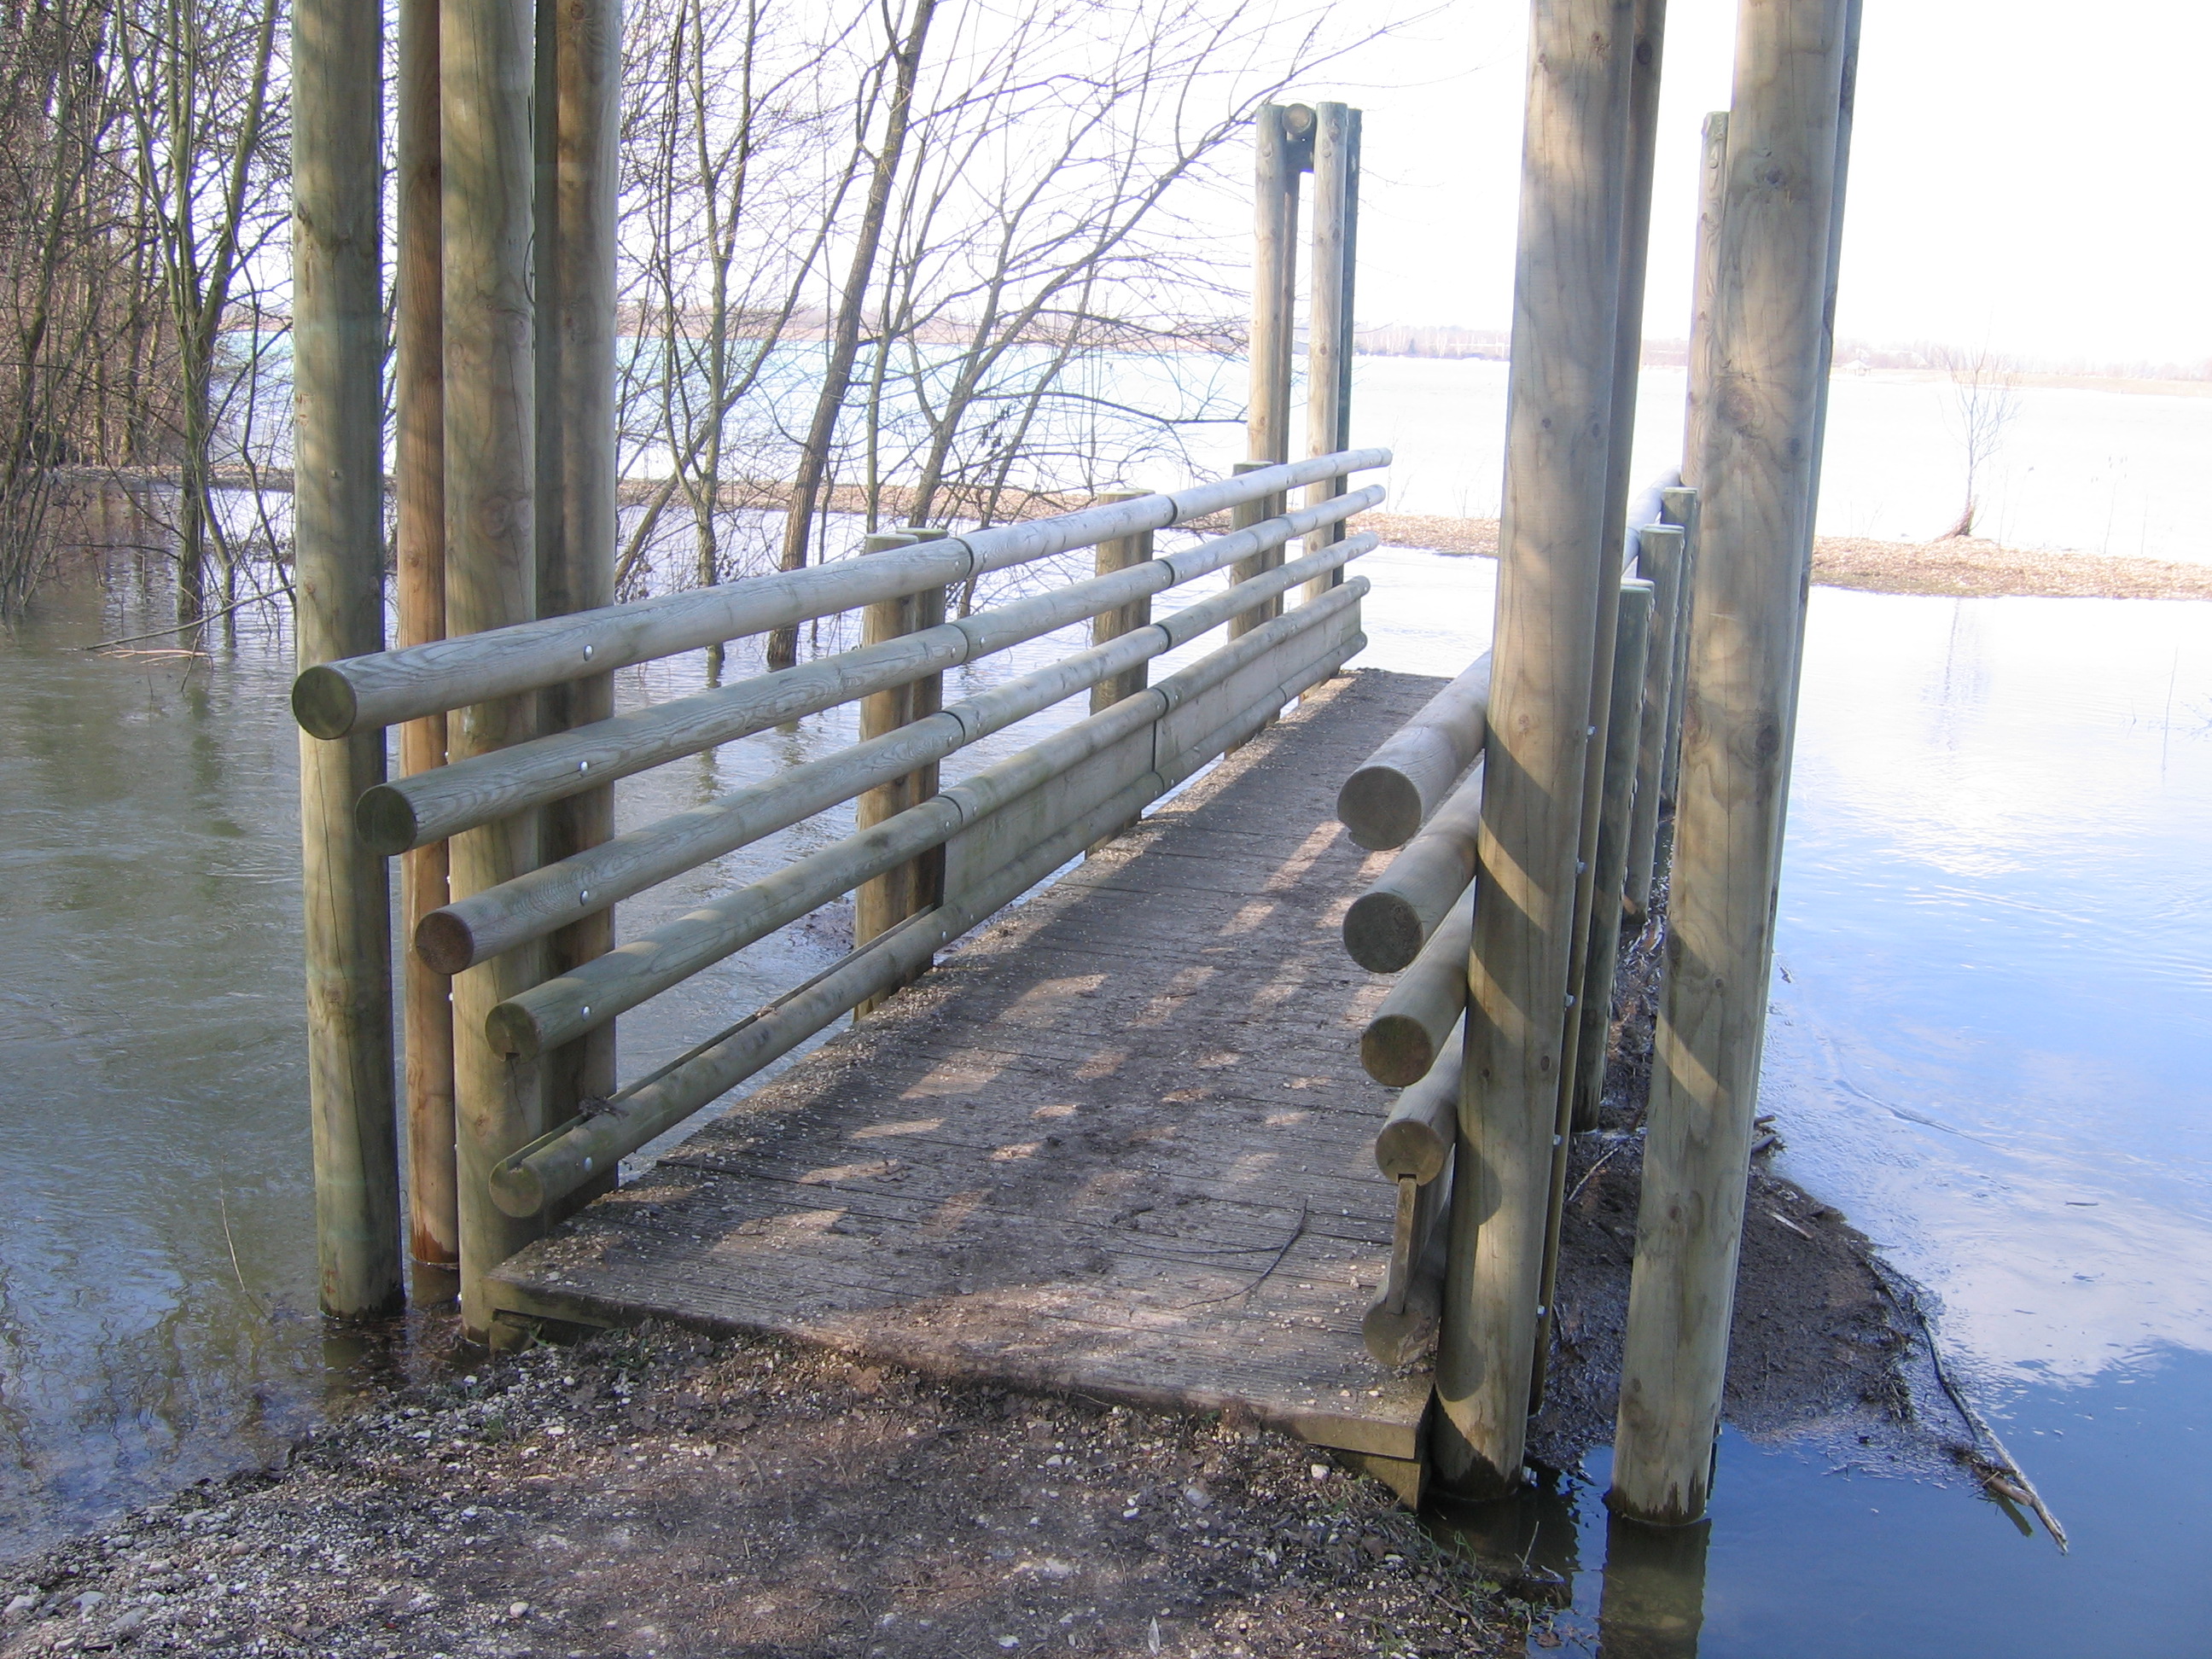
x=445 y=943
x=512 y=1032
x=384 y=820
x=1382 y=932
x=1381 y=808
x=323 y=703
x=1397 y=1051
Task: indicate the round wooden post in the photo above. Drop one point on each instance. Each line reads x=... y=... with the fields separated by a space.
x=485 y=66
x=418 y=397
x=580 y=76
x=1119 y=554
x=1552 y=559
x=1624 y=738
x=881 y=903
x=1659 y=560
x=1243 y=516
x=1274 y=238
x=1704 y=284
x=1329 y=318
x=1756 y=480
x=338 y=346
x=1648 y=25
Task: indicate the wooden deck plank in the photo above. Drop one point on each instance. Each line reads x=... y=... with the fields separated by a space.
x=1120 y=1144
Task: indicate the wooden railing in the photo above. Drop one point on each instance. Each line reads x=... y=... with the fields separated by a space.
x=1421 y=792
x=930 y=863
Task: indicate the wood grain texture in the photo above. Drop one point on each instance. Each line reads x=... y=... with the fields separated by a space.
x=1328 y=315
x=419 y=462
x=1385 y=801
x=1418 y=1014
x=1118 y=1145
x=1559 y=443
x=580 y=78
x=485 y=59
x=1389 y=923
x=337 y=344
x=1755 y=478
x=1659 y=560
x=885 y=901
x=1631 y=649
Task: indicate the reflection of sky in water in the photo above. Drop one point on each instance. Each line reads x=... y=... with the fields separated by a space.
x=1991 y=1045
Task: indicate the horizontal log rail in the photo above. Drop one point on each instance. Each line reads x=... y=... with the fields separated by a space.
x=433 y=806
x=989 y=837
x=561 y=1009
x=469 y=931
x=384 y=688
x=556 y=1164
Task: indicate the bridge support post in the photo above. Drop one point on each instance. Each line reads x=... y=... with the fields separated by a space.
x=578 y=86
x=1624 y=736
x=1550 y=576
x=485 y=68
x=1646 y=39
x=1328 y=319
x=337 y=341
x=1756 y=474
x=418 y=398
x=883 y=901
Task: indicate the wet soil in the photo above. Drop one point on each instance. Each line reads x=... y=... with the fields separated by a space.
x=658 y=1492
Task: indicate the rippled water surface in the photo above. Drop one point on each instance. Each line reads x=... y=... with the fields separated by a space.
x=1990 y=1049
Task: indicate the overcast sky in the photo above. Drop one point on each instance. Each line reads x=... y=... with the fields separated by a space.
x=2030 y=175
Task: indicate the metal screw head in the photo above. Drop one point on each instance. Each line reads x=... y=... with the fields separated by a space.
x=583 y=766
x=584 y=896
x=588 y=651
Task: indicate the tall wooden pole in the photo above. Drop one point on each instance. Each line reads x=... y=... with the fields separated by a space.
x=1755 y=479
x=1328 y=312
x=1712 y=206
x=491 y=564
x=1566 y=297
x=1274 y=243
x=1647 y=38
x=579 y=116
x=881 y=903
x=338 y=346
x=419 y=401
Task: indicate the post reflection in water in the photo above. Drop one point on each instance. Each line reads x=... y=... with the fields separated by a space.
x=1654 y=1603
x=1529 y=1543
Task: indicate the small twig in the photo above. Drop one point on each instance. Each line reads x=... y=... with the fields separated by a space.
x=1787 y=1223
x=2008 y=1466
x=1576 y=1191
x=183 y=627
x=222 y=1206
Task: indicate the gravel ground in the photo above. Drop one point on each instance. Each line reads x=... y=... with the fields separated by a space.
x=656 y=1492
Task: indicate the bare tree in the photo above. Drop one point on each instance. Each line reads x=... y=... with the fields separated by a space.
x=1985 y=401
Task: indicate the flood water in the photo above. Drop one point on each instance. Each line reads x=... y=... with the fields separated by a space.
x=1988 y=1049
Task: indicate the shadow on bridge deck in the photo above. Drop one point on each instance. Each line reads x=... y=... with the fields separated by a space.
x=1118 y=1144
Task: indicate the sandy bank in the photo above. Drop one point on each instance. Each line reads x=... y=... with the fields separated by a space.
x=1960 y=566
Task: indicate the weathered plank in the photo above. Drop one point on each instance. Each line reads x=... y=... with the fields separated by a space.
x=1121 y=1144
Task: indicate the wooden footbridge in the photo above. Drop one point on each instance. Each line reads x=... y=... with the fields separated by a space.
x=1134 y=1138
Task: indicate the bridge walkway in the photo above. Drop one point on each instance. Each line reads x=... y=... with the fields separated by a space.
x=1119 y=1143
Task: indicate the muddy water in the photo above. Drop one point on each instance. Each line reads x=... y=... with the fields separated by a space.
x=1988 y=1049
